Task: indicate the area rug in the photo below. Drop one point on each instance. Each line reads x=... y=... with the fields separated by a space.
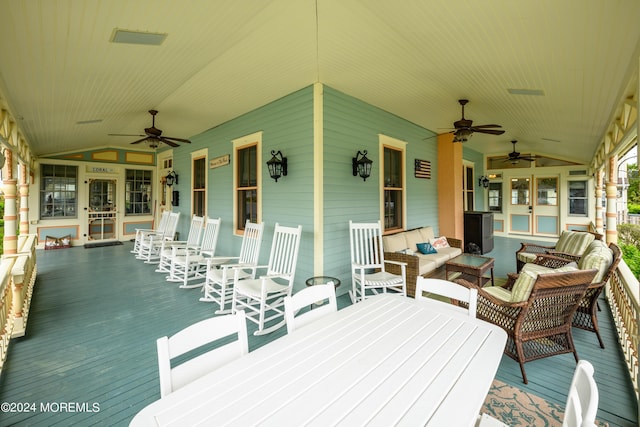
x=515 y=407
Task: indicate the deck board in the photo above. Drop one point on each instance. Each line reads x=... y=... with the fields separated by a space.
x=96 y=314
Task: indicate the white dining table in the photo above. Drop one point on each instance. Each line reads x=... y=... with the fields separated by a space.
x=389 y=360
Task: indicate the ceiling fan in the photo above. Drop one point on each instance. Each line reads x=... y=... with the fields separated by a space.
x=464 y=127
x=514 y=157
x=153 y=135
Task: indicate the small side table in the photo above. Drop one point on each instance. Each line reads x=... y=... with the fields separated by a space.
x=321 y=280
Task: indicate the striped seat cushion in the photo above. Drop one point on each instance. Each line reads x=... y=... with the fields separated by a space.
x=598 y=256
x=524 y=283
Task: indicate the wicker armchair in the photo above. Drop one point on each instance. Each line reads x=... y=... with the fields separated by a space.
x=532 y=249
x=586 y=315
x=540 y=326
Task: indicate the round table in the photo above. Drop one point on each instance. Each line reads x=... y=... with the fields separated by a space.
x=321 y=280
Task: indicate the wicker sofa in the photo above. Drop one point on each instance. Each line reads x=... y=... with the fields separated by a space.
x=403 y=247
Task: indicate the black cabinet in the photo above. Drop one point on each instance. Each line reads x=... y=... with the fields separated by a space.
x=478 y=229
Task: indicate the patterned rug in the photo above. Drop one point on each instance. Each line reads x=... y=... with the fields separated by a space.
x=515 y=407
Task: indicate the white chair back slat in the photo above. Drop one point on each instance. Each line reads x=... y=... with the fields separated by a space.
x=284 y=251
x=448 y=289
x=195 y=230
x=196 y=336
x=323 y=299
x=582 y=400
x=210 y=236
x=251 y=241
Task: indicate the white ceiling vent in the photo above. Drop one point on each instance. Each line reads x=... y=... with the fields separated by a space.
x=137 y=37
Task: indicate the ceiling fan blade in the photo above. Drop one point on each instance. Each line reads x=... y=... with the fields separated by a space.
x=124 y=134
x=168 y=142
x=140 y=140
x=177 y=139
x=489 y=131
x=487 y=126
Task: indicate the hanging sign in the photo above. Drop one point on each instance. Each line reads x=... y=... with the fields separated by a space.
x=219 y=161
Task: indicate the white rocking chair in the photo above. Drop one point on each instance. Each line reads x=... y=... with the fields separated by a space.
x=193 y=241
x=218 y=285
x=263 y=298
x=141 y=233
x=367 y=254
x=191 y=263
x=150 y=245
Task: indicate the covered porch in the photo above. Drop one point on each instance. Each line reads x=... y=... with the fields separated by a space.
x=103 y=362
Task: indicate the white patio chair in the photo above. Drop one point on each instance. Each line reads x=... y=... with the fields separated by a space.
x=367 y=254
x=193 y=337
x=582 y=400
x=141 y=233
x=189 y=264
x=448 y=289
x=263 y=298
x=321 y=297
x=150 y=245
x=218 y=285
x=193 y=241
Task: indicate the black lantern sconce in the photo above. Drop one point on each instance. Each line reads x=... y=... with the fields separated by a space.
x=171 y=178
x=362 y=165
x=277 y=166
x=483 y=181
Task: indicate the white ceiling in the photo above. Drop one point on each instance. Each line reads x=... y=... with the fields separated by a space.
x=413 y=58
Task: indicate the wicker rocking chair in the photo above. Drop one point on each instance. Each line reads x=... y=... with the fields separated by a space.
x=540 y=326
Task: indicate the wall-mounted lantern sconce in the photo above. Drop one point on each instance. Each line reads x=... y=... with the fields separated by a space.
x=277 y=166
x=171 y=178
x=483 y=182
x=362 y=165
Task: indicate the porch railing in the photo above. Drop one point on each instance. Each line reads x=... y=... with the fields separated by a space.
x=623 y=294
x=17 y=278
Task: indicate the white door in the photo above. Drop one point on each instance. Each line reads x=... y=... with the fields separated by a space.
x=520 y=205
x=102 y=218
x=546 y=210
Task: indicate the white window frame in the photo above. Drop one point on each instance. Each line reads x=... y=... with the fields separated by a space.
x=196 y=155
x=387 y=141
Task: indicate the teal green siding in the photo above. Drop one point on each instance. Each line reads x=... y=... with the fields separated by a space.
x=351 y=125
x=287 y=125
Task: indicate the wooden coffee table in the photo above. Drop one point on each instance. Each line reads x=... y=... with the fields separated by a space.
x=472 y=267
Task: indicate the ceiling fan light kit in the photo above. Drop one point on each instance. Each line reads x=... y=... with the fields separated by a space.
x=464 y=128
x=153 y=136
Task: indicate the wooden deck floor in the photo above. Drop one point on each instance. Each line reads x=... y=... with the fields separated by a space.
x=89 y=356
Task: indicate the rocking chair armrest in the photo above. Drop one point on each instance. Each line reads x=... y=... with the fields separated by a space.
x=400 y=263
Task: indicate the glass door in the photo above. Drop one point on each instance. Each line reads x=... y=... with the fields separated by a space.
x=546 y=208
x=521 y=208
x=102 y=214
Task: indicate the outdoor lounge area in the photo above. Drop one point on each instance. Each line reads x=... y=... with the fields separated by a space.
x=106 y=359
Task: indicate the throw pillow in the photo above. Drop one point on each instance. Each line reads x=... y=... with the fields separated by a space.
x=426 y=248
x=440 y=242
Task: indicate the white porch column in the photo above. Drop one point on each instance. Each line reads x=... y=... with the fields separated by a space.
x=611 y=191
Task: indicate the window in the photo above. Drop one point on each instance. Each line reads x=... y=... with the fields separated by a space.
x=578 y=200
x=199 y=187
x=58 y=191
x=547 y=191
x=495 y=196
x=520 y=191
x=393 y=187
x=246 y=180
x=468 y=198
x=137 y=196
